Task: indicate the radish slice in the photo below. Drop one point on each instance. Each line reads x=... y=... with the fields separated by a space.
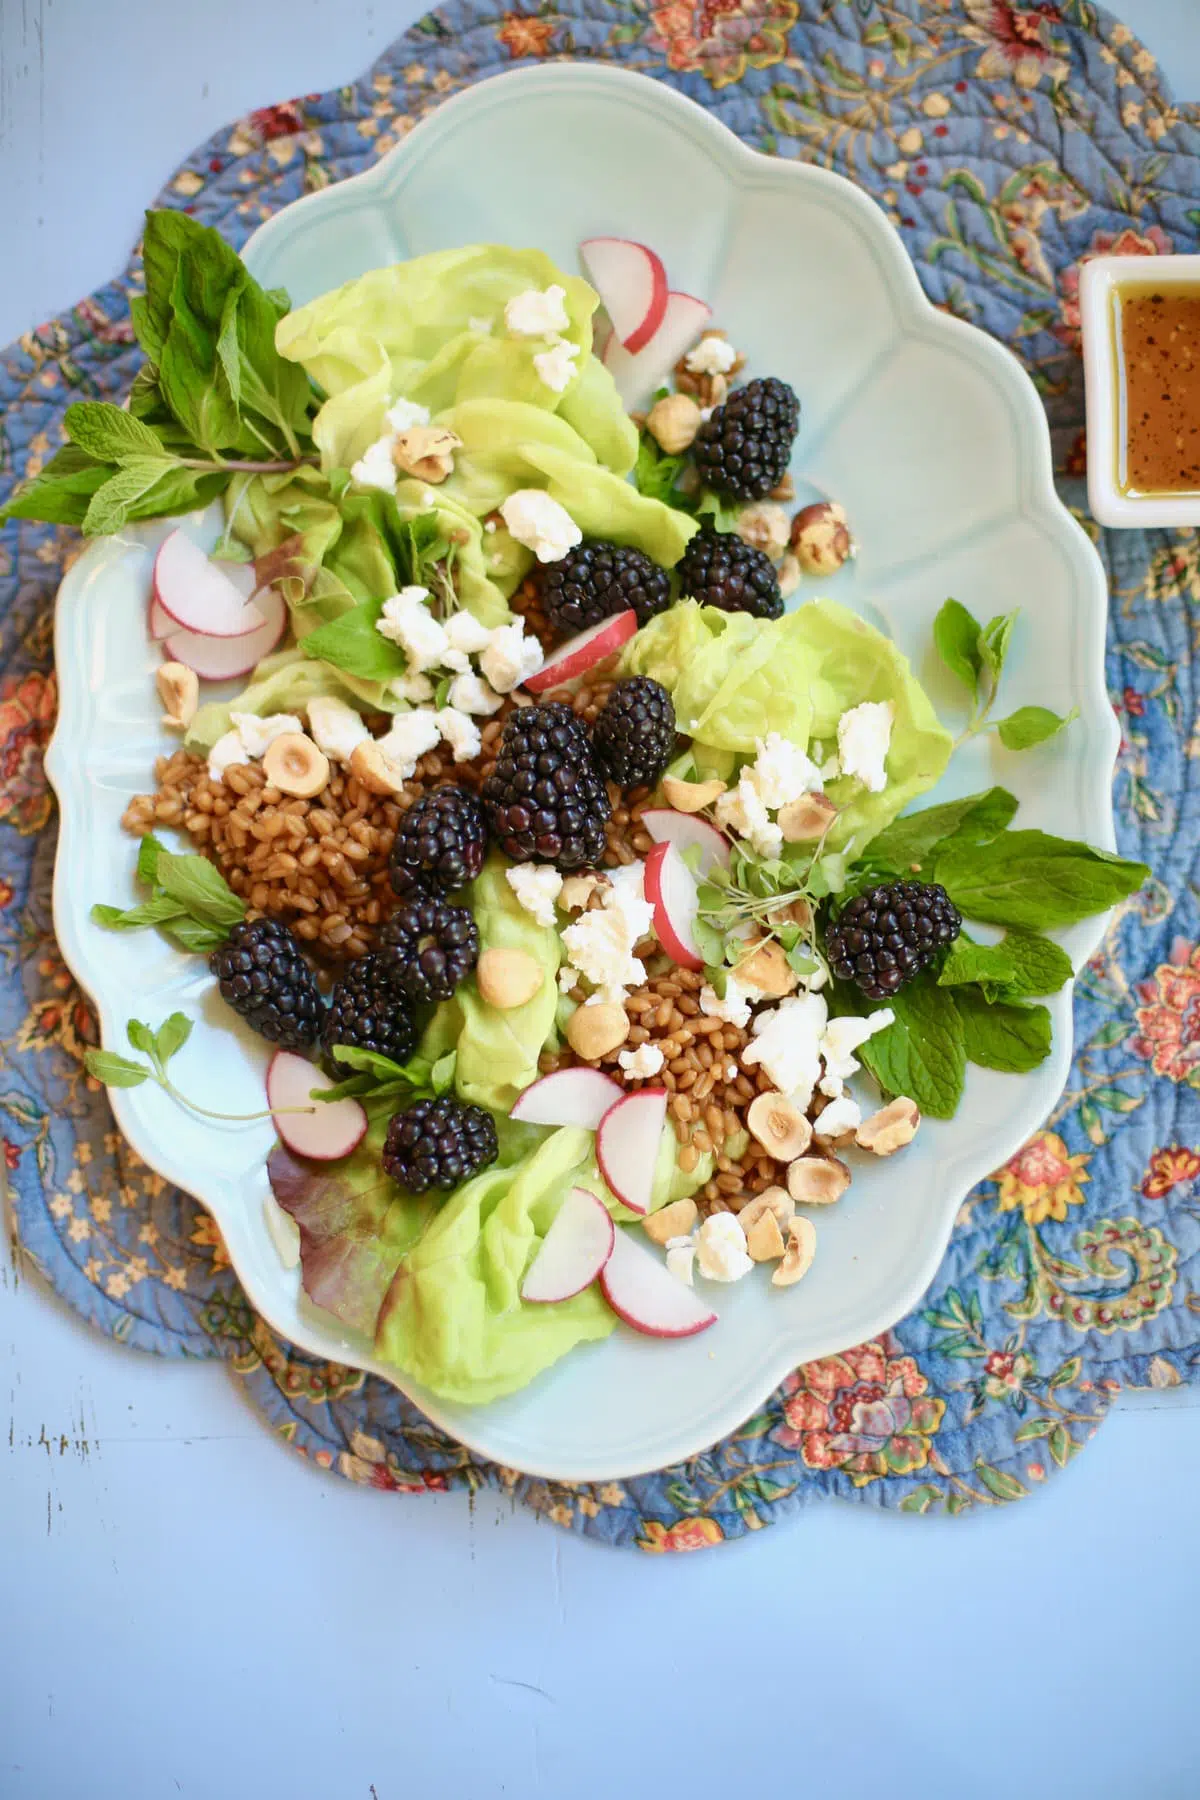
x=221 y=658
x=627 y=1145
x=331 y=1130
x=583 y=652
x=671 y=891
x=574 y=1250
x=632 y=283
x=575 y=1096
x=687 y=831
x=644 y=1293
x=161 y=623
x=637 y=375
x=198 y=593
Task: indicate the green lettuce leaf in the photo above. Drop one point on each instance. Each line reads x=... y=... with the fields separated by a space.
x=734 y=678
x=284 y=682
x=453 y=1318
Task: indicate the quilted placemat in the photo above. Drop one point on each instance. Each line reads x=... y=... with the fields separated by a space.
x=1009 y=142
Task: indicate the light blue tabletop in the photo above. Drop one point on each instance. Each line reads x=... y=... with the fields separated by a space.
x=187 y=1608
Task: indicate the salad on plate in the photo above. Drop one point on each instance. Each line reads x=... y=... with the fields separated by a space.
x=534 y=801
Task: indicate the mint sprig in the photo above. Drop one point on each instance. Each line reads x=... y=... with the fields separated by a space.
x=158 y=1048
x=190 y=899
x=377 y=1078
x=976 y=654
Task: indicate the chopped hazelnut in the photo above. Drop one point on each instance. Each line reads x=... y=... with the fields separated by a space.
x=790 y=575
x=692 y=796
x=593 y=1031
x=780 y=1128
x=426 y=451
x=673 y=423
x=179 y=690
x=764 y=1240
x=294 y=765
x=890 y=1128
x=806 y=818
x=821 y=538
x=767 y=968
x=764 y=525
x=798 y=1257
x=817 y=1180
x=676 y=1220
x=773 y=1200
x=507 y=978
x=370 y=766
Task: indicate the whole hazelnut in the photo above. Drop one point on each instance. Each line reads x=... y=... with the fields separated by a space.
x=821 y=538
x=764 y=525
x=673 y=423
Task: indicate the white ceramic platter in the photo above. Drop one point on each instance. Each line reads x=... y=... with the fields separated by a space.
x=935 y=442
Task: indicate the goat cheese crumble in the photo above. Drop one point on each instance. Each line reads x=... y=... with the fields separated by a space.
x=541 y=524
x=556 y=366
x=537 y=886
x=864 y=734
x=510 y=657
x=643 y=1062
x=538 y=312
x=711 y=356
x=335 y=728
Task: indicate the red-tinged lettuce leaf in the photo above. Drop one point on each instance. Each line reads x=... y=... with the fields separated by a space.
x=355 y=1225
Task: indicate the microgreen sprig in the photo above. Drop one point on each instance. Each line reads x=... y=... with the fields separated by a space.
x=158 y=1047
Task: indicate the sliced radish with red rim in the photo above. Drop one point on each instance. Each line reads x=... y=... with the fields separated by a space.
x=583 y=652
x=627 y=1145
x=631 y=282
x=578 y=1096
x=221 y=658
x=200 y=594
x=573 y=1251
x=638 y=374
x=687 y=831
x=644 y=1293
x=671 y=891
x=327 y=1132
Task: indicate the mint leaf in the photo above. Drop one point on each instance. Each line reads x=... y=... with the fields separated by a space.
x=193 y=382
x=201 y=888
x=178 y=490
x=113 y=1070
x=956 y=635
x=1040 y=966
x=149 y=851
x=1031 y=725
x=61 y=494
x=111 y=505
x=152 y=912
x=140 y=1037
x=968 y=963
x=109 y=433
x=1003 y=1036
x=909 y=840
x=1029 y=880
x=994 y=642
x=351 y=642
x=172 y=1035
x=923 y=1054
x=193 y=935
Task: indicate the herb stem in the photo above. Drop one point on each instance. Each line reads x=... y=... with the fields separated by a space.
x=207 y=1112
x=249 y=468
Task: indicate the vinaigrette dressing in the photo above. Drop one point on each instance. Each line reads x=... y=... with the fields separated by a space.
x=1157 y=335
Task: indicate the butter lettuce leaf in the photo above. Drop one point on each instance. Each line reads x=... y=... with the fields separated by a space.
x=453 y=1318
x=734 y=678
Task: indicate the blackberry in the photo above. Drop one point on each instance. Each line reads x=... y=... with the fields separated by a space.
x=367 y=1012
x=263 y=976
x=546 y=799
x=719 y=569
x=888 y=935
x=635 y=733
x=745 y=447
x=438 y=1144
x=428 y=947
x=440 y=843
x=598 y=579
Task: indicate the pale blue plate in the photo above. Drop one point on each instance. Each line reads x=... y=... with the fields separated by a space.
x=935 y=442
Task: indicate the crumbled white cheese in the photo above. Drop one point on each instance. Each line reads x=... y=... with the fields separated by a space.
x=470 y=694
x=786 y=1042
x=510 y=657
x=537 y=312
x=843 y=1036
x=465 y=633
x=600 y=943
x=721 y=1248
x=840 y=1116
x=537 y=886
x=407 y=621
x=734 y=1007
x=541 y=524
x=680 y=1260
x=414 y=688
x=335 y=727
x=556 y=366
x=375 y=468
x=781 y=771
x=225 y=753
x=711 y=356
x=405 y=414
x=258 y=735
x=742 y=811
x=643 y=1062
x=864 y=734
x=460 y=732
x=411 y=736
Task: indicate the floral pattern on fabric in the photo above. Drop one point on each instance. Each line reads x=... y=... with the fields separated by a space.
x=1008 y=143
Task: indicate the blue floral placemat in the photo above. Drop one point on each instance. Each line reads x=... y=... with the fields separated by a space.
x=1009 y=142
